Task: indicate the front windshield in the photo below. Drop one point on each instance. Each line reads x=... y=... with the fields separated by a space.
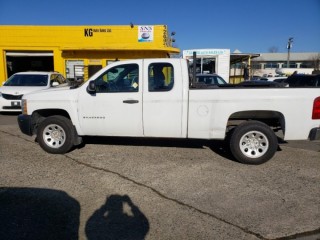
x=28 y=80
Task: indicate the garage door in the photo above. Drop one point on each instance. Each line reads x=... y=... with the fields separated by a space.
x=29 y=61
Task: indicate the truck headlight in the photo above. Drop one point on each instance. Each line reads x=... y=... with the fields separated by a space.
x=24 y=106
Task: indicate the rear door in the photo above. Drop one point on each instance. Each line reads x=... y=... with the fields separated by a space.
x=164 y=112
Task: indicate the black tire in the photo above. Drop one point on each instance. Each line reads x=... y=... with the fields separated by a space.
x=56 y=135
x=253 y=142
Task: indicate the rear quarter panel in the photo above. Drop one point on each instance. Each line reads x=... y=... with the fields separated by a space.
x=210 y=109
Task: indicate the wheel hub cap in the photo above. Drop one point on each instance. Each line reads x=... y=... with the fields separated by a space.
x=254 y=144
x=54 y=136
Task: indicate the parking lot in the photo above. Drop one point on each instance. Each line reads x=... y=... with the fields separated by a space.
x=128 y=188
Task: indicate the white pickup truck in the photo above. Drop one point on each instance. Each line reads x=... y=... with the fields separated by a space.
x=157 y=98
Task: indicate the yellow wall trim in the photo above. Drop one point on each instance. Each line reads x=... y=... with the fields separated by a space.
x=90 y=44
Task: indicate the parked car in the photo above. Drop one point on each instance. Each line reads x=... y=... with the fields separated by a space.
x=210 y=79
x=281 y=80
x=25 y=82
x=255 y=77
x=301 y=80
x=277 y=79
x=260 y=83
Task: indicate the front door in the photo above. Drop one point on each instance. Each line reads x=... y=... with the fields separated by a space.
x=116 y=107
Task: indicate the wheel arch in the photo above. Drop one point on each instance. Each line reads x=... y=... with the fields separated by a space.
x=273 y=119
x=41 y=114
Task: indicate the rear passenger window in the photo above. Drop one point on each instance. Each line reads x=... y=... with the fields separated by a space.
x=160 y=77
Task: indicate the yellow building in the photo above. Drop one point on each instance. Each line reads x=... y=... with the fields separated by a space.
x=78 y=51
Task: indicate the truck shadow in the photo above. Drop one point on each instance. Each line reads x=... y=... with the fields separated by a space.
x=219 y=147
x=37 y=213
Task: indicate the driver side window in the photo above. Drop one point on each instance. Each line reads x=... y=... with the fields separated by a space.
x=122 y=78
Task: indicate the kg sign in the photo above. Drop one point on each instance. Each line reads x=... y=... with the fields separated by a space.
x=145 y=33
x=88 y=32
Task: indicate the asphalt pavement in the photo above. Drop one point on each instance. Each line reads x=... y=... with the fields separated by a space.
x=128 y=188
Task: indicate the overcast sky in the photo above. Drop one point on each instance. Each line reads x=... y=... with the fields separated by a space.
x=247 y=25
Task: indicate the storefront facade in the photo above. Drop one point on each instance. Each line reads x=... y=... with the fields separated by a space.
x=211 y=61
x=78 y=51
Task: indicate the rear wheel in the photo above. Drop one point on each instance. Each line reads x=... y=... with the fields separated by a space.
x=56 y=135
x=253 y=142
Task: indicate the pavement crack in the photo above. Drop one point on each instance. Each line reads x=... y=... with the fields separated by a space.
x=13 y=135
x=314 y=234
x=166 y=197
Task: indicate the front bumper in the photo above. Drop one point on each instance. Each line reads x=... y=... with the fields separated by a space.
x=25 y=124
x=10 y=105
x=314 y=134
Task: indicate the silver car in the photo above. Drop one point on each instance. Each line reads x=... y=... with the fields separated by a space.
x=210 y=79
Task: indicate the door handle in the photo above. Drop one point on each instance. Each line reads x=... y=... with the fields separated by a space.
x=131 y=101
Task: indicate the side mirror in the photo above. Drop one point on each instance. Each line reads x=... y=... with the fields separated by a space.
x=54 y=84
x=91 y=88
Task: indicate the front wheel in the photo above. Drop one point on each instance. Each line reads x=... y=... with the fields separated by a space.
x=253 y=142
x=55 y=135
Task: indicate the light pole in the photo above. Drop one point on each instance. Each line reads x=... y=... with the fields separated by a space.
x=289 y=46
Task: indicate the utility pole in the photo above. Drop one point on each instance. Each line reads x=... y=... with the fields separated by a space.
x=289 y=46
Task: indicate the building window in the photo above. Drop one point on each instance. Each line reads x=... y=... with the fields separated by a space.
x=291 y=65
x=271 y=65
x=256 y=66
x=306 y=65
x=237 y=65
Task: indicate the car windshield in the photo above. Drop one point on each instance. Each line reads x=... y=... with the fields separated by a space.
x=27 y=80
x=211 y=80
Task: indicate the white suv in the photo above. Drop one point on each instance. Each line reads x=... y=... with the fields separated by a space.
x=25 y=82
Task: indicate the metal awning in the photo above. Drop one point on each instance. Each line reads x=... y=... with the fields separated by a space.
x=29 y=54
x=242 y=57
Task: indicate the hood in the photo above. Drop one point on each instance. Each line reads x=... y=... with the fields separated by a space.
x=17 y=90
x=58 y=88
x=59 y=92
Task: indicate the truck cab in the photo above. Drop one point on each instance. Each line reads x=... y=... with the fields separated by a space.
x=133 y=100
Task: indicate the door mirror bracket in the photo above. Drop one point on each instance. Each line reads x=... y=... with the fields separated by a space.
x=91 y=88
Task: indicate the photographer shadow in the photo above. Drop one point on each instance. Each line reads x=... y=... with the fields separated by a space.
x=118 y=218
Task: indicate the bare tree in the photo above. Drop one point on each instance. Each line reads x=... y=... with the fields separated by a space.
x=273 y=49
x=316 y=62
